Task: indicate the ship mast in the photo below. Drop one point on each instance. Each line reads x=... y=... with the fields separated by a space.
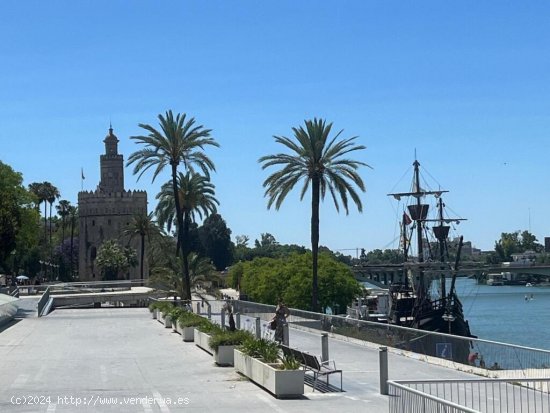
x=419 y=225
x=441 y=232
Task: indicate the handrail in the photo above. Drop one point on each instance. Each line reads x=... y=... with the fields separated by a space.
x=43 y=301
x=514 y=395
x=422 y=395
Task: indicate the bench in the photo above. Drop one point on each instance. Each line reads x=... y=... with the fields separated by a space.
x=312 y=363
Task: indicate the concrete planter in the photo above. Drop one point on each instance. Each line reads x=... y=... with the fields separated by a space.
x=188 y=334
x=224 y=356
x=201 y=340
x=154 y=314
x=166 y=320
x=280 y=383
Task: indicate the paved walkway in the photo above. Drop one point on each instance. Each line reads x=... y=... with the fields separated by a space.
x=105 y=359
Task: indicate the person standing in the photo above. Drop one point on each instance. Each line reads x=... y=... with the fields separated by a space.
x=281 y=314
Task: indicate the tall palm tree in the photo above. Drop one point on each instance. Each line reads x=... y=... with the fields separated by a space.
x=36 y=189
x=179 y=141
x=53 y=194
x=145 y=227
x=63 y=211
x=40 y=190
x=318 y=161
x=200 y=270
x=196 y=198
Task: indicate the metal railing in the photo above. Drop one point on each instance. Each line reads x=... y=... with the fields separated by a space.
x=470 y=395
x=499 y=360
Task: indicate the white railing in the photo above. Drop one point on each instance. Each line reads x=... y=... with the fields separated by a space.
x=470 y=395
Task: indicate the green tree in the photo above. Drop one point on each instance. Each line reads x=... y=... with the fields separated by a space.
x=320 y=162
x=266 y=279
x=63 y=211
x=145 y=228
x=166 y=278
x=529 y=242
x=388 y=256
x=196 y=199
x=178 y=142
x=113 y=260
x=215 y=237
x=52 y=194
x=40 y=190
x=18 y=217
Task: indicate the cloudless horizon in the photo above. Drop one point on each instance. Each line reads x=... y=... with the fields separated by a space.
x=465 y=86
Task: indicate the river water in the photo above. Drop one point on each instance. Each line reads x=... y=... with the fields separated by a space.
x=501 y=313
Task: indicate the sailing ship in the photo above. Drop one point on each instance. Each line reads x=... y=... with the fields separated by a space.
x=421 y=299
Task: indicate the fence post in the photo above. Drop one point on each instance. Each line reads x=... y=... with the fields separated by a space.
x=222 y=319
x=285 y=334
x=238 y=321
x=209 y=310
x=383 y=358
x=324 y=346
x=258 y=328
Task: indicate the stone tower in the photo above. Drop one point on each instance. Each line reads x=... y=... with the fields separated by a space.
x=105 y=212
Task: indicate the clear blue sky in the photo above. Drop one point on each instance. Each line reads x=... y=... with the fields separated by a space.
x=466 y=84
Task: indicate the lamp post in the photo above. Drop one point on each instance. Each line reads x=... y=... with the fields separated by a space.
x=449 y=318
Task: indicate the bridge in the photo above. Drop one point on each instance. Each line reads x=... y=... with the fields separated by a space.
x=383 y=275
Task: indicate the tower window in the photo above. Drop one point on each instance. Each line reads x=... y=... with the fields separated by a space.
x=93 y=223
x=108 y=222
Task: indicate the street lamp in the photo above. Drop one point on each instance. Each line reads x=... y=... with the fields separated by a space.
x=449 y=318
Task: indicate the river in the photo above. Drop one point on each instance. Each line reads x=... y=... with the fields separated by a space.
x=501 y=313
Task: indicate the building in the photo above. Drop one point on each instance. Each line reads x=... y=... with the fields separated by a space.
x=105 y=212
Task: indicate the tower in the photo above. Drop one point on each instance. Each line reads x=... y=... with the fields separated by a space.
x=112 y=165
x=106 y=212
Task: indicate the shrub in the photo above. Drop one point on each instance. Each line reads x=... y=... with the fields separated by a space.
x=208 y=327
x=262 y=349
x=228 y=338
x=290 y=363
x=163 y=306
x=176 y=312
x=188 y=319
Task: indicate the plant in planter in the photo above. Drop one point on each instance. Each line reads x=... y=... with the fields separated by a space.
x=223 y=343
x=153 y=309
x=203 y=332
x=158 y=306
x=187 y=322
x=175 y=313
x=259 y=360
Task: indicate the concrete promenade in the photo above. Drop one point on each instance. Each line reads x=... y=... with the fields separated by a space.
x=106 y=359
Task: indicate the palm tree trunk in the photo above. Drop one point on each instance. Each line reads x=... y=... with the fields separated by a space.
x=46 y=223
x=141 y=258
x=179 y=218
x=315 y=241
x=185 y=252
x=51 y=249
